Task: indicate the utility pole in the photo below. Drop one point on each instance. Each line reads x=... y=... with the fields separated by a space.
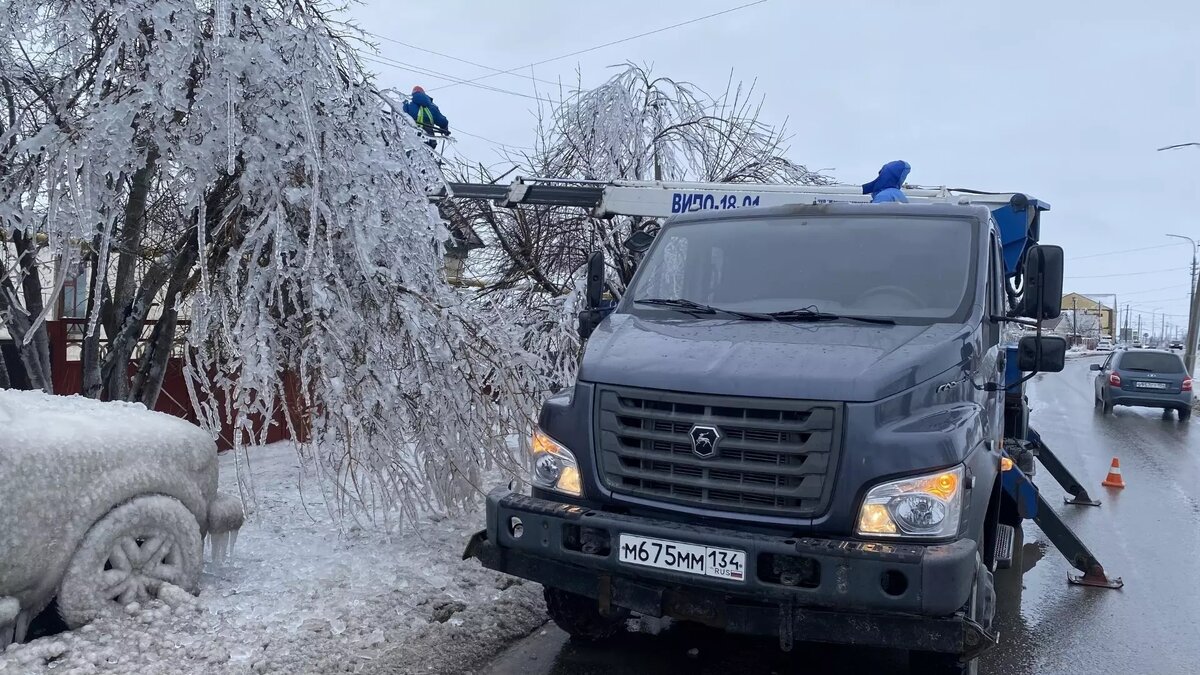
x=1189 y=354
x=1139 y=333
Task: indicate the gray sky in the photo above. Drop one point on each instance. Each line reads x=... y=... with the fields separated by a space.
x=1063 y=100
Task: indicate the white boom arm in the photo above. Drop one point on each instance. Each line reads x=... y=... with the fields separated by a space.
x=656 y=199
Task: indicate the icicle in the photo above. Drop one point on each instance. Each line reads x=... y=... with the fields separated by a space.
x=231 y=156
x=202 y=244
x=221 y=9
x=220 y=546
x=311 y=132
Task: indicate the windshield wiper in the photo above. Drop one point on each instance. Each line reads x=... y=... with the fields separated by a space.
x=692 y=307
x=813 y=314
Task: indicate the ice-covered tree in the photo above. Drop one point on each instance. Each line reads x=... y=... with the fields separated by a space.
x=232 y=161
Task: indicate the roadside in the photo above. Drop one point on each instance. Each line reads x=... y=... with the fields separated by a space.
x=300 y=596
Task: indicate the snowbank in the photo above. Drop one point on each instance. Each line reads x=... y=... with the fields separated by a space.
x=300 y=597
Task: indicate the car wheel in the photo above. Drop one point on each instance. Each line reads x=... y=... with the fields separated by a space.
x=128 y=556
x=1107 y=407
x=1185 y=414
x=579 y=616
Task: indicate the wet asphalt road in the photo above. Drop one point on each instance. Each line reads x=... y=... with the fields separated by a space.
x=1149 y=534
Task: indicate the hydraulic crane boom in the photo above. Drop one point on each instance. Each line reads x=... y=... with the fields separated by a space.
x=1017 y=216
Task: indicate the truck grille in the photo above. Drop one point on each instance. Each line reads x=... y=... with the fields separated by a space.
x=773 y=457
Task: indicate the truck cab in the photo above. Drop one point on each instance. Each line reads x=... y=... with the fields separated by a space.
x=793 y=423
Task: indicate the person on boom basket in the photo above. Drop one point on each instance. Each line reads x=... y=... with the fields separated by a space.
x=427 y=116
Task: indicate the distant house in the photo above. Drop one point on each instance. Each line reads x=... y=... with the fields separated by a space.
x=1082 y=305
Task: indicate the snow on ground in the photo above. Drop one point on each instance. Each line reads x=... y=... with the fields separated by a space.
x=299 y=596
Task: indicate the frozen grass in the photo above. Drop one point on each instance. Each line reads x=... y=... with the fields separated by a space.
x=301 y=596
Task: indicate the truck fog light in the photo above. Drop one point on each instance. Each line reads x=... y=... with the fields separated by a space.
x=554 y=466
x=547 y=469
x=927 y=506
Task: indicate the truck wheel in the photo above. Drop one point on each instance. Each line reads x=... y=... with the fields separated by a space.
x=982 y=609
x=128 y=556
x=580 y=616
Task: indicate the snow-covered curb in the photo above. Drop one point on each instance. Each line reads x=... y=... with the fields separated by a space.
x=300 y=597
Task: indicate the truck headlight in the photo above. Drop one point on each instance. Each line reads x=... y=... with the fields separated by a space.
x=921 y=506
x=554 y=466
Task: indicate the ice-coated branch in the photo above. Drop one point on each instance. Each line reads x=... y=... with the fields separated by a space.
x=233 y=164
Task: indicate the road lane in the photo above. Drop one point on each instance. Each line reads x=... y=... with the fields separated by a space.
x=1149 y=534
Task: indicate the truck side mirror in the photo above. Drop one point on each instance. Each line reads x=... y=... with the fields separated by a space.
x=1042 y=354
x=1043 y=282
x=591 y=317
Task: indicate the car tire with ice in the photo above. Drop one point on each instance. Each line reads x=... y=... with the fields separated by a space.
x=579 y=616
x=128 y=555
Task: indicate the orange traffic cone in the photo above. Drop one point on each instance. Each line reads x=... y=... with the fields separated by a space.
x=1114 y=476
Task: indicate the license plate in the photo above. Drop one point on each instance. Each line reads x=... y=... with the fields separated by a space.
x=709 y=561
x=1150 y=385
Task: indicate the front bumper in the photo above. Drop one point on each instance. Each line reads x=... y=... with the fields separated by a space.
x=878 y=594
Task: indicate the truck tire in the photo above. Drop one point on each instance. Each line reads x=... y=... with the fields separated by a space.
x=982 y=609
x=580 y=616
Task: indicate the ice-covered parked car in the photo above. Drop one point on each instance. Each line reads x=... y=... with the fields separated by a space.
x=101 y=505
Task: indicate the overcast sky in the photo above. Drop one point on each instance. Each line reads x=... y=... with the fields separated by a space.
x=1063 y=100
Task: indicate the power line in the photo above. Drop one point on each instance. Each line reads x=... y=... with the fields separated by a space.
x=1152 y=290
x=497 y=71
x=1122 y=251
x=383 y=60
x=609 y=44
x=484 y=138
x=1129 y=274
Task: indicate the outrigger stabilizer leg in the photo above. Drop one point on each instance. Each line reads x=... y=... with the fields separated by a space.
x=1032 y=505
x=1079 y=494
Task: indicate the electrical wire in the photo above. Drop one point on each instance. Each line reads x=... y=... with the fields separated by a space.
x=459 y=130
x=1130 y=274
x=497 y=71
x=386 y=61
x=609 y=44
x=1125 y=250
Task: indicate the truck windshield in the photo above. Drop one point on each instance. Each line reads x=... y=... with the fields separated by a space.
x=912 y=270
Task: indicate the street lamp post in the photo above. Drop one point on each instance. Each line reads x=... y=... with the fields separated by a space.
x=1194 y=311
x=1189 y=354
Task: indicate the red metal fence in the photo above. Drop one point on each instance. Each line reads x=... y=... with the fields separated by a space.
x=66 y=338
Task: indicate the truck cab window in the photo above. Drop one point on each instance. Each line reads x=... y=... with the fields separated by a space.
x=912 y=270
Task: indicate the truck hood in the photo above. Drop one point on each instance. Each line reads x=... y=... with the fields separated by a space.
x=812 y=361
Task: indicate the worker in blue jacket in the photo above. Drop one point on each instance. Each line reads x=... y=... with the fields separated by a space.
x=426 y=114
x=887 y=186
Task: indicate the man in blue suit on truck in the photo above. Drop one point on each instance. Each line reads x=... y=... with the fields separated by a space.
x=427 y=116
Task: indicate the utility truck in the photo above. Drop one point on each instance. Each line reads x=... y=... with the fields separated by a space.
x=800 y=419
